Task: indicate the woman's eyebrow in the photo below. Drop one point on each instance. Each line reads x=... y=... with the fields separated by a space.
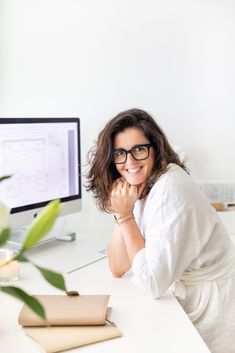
x=136 y=145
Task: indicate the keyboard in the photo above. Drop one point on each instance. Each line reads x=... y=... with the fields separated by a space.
x=74 y=264
x=67 y=257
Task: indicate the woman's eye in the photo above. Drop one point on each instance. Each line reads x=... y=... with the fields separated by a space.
x=119 y=153
x=138 y=149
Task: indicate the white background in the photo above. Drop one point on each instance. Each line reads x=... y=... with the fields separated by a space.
x=94 y=58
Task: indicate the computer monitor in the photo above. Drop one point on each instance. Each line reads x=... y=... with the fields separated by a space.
x=42 y=155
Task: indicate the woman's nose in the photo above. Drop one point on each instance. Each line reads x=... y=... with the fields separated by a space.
x=130 y=158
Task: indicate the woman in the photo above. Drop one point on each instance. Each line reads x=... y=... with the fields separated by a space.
x=166 y=232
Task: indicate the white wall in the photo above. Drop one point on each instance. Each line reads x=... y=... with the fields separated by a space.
x=92 y=58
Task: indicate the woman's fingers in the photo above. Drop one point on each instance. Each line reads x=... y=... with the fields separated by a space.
x=123 y=196
x=122 y=188
x=125 y=187
x=117 y=187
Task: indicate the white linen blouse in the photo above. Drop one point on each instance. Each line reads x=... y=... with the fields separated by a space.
x=187 y=245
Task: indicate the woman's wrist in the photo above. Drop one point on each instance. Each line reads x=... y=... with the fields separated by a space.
x=123 y=217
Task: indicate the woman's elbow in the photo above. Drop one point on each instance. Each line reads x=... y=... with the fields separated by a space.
x=115 y=270
x=116 y=274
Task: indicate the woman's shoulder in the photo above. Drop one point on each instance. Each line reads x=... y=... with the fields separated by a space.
x=175 y=169
x=174 y=176
x=178 y=187
x=176 y=183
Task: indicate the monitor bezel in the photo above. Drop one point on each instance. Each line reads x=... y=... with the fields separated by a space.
x=46 y=121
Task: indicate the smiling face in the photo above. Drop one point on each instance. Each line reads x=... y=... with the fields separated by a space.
x=133 y=171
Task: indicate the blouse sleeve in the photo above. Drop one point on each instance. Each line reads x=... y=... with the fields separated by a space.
x=177 y=225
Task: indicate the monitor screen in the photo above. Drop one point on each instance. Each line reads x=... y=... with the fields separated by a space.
x=43 y=158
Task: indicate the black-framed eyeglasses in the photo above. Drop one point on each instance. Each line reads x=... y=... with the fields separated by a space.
x=138 y=152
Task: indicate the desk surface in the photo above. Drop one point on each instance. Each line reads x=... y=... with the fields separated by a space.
x=147 y=325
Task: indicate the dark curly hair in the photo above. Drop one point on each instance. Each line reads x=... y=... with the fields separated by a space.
x=103 y=171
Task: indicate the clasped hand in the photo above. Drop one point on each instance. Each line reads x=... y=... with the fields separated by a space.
x=123 y=196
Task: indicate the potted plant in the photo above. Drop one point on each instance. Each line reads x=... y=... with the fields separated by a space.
x=36 y=231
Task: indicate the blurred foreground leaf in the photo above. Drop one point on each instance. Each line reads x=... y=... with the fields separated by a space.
x=26 y=298
x=54 y=278
x=41 y=225
x=37 y=230
x=20 y=257
x=4 y=236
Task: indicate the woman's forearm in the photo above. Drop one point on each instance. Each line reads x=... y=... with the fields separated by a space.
x=118 y=259
x=132 y=237
x=126 y=241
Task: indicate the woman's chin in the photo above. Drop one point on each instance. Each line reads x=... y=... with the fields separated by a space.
x=135 y=182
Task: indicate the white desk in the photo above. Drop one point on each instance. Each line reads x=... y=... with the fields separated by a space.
x=147 y=325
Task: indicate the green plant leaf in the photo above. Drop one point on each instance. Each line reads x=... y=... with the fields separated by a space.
x=42 y=224
x=5 y=177
x=29 y=300
x=20 y=257
x=4 y=236
x=54 y=278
